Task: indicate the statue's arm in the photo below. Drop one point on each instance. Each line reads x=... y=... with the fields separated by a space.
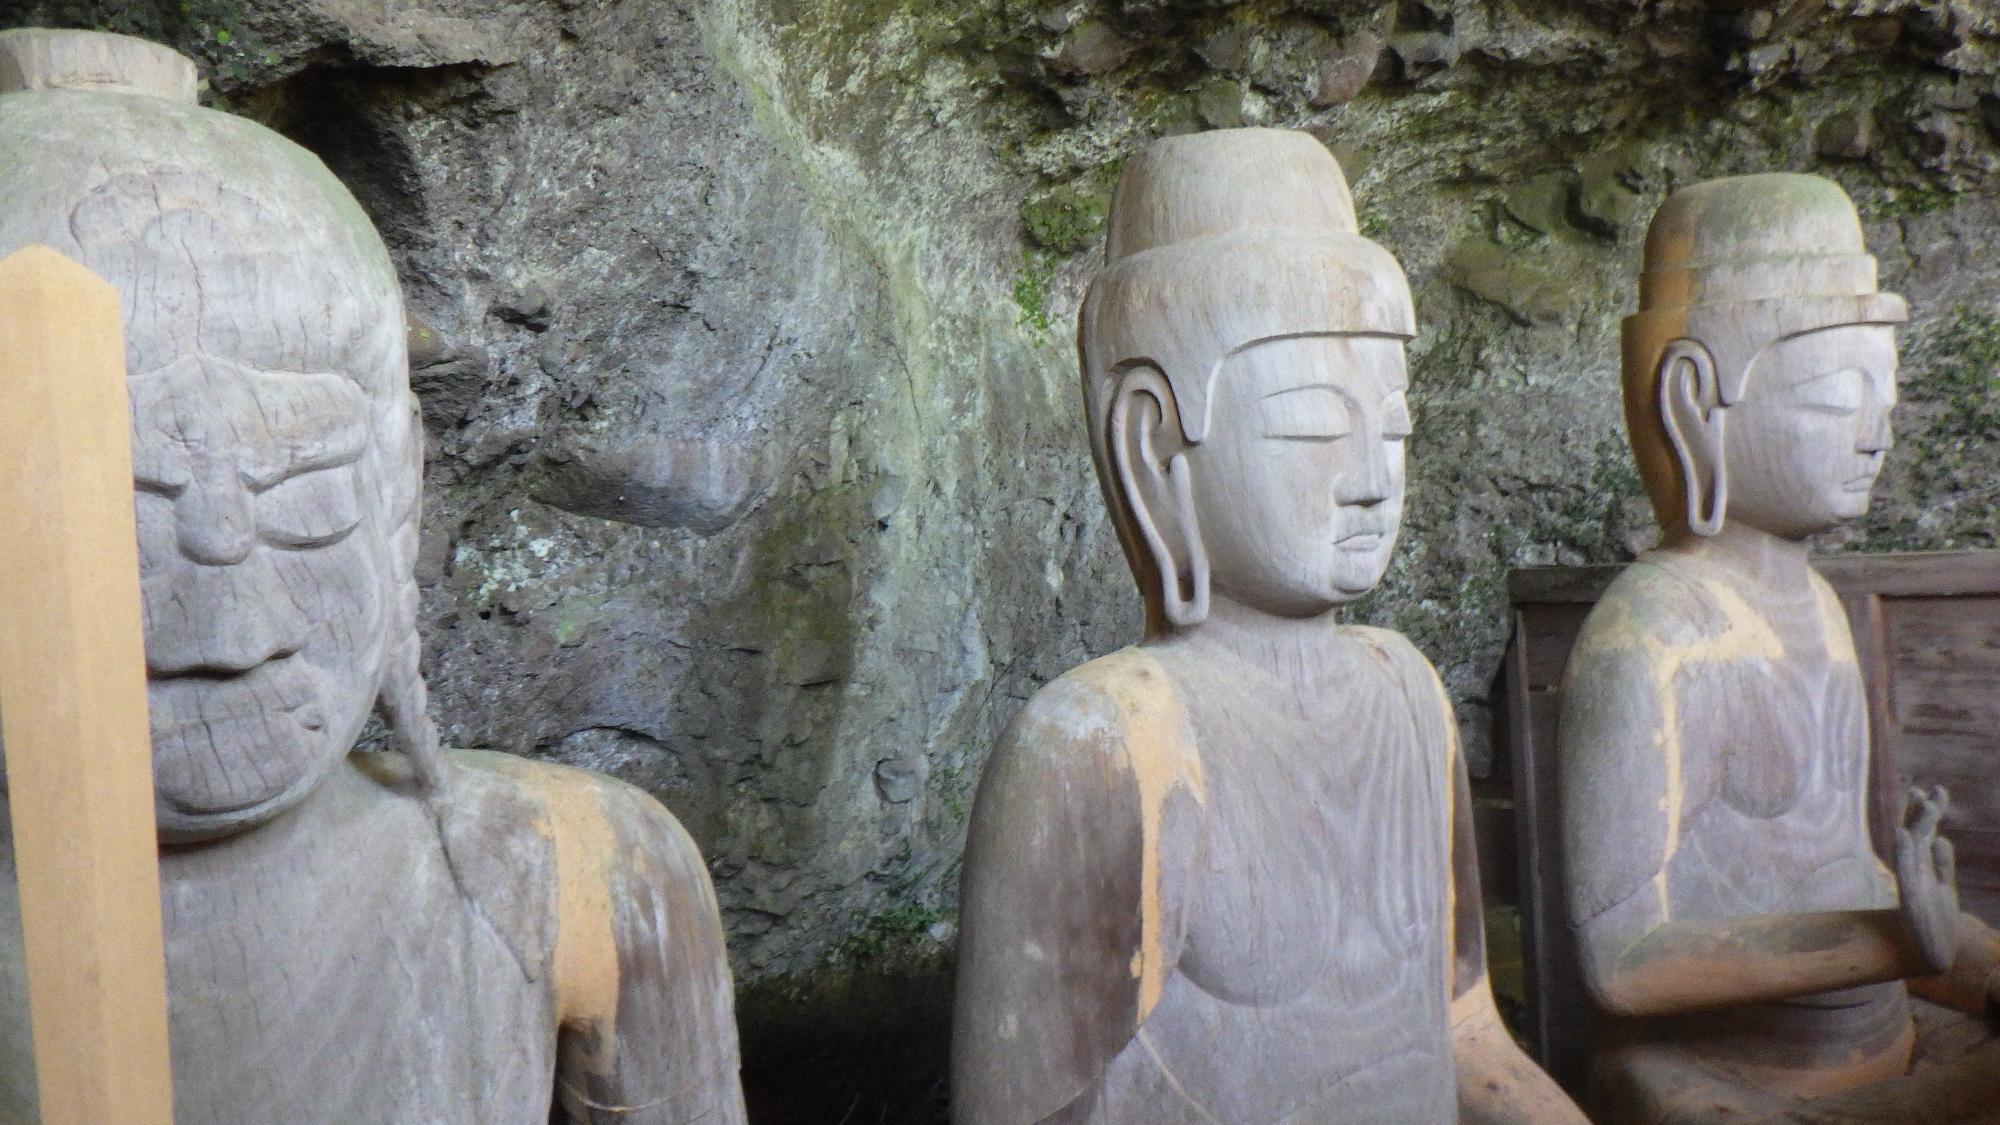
x=1068 y=915
x=649 y=1035
x=1624 y=789
x=1690 y=966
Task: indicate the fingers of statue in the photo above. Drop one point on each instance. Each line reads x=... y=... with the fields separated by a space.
x=1927 y=869
x=1924 y=810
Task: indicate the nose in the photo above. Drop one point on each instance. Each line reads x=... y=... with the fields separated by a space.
x=1371 y=481
x=219 y=619
x=216 y=524
x=1875 y=436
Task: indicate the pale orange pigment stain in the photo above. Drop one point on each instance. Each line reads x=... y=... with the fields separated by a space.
x=1160 y=751
x=586 y=849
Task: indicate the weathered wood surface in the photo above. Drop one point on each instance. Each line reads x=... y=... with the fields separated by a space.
x=1890 y=601
x=398 y=937
x=1746 y=946
x=73 y=705
x=1228 y=874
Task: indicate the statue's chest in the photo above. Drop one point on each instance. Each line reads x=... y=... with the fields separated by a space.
x=1775 y=739
x=364 y=989
x=1324 y=867
x=1774 y=762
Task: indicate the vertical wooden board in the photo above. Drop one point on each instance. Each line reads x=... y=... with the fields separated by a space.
x=73 y=700
x=1553 y=628
x=1559 y=1016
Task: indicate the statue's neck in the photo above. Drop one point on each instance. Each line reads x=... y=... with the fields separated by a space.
x=1774 y=561
x=1292 y=649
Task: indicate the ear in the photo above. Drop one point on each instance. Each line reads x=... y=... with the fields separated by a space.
x=1150 y=470
x=1692 y=410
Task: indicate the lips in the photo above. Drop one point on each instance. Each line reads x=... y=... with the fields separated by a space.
x=1359 y=541
x=231 y=740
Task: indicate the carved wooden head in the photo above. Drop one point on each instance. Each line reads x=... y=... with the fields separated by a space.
x=1760 y=367
x=274 y=436
x=1243 y=371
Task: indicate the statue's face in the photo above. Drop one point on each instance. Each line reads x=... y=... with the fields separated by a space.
x=1299 y=484
x=264 y=568
x=1806 y=442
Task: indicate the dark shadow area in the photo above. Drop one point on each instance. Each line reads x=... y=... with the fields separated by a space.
x=862 y=1046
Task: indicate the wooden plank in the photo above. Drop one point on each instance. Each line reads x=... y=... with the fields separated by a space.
x=1947 y=651
x=73 y=701
x=1570 y=1016
x=1530 y=829
x=1493 y=831
x=1537 y=585
x=1913 y=574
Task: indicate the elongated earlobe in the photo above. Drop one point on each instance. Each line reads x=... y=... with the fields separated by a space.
x=1694 y=415
x=1158 y=490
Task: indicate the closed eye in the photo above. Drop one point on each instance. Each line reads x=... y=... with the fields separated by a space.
x=1315 y=413
x=1833 y=392
x=315 y=508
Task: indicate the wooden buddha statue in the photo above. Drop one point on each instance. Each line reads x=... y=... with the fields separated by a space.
x=351 y=939
x=1226 y=875
x=1733 y=919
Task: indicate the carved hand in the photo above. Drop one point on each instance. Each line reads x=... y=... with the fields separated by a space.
x=1926 y=870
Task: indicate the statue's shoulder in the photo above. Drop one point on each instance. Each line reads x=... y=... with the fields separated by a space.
x=1660 y=601
x=1078 y=865
x=508 y=795
x=605 y=886
x=1398 y=652
x=1118 y=711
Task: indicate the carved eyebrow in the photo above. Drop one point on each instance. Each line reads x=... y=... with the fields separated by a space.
x=1304 y=387
x=1860 y=369
x=323 y=425
x=1401 y=386
x=343 y=446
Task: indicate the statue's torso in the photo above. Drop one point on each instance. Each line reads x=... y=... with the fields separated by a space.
x=1772 y=775
x=1774 y=762
x=348 y=975
x=1313 y=978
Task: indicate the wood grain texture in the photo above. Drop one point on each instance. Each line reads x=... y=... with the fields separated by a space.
x=73 y=702
x=1228 y=874
x=1742 y=939
x=398 y=937
x=1963 y=587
